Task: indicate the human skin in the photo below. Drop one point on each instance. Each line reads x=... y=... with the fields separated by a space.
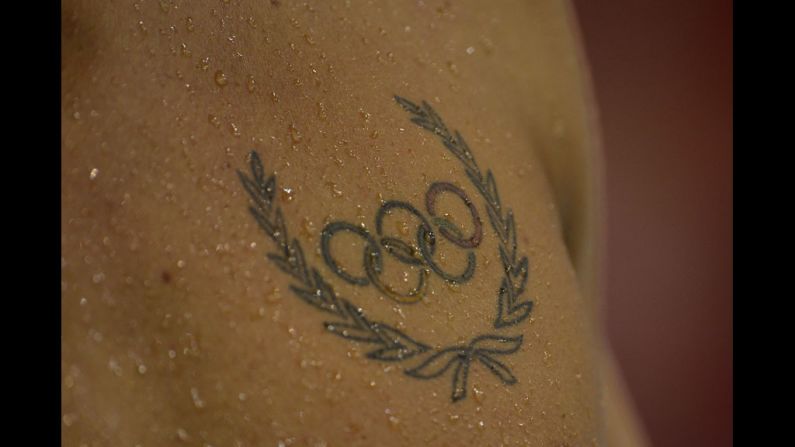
x=176 y=327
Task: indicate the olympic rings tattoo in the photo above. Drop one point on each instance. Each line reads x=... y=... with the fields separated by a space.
x=419 y=257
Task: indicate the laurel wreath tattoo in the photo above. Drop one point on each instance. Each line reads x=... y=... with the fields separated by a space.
x=349 y=321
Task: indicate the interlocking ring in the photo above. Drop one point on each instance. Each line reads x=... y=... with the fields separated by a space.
x=372 y=253
x=421 y=257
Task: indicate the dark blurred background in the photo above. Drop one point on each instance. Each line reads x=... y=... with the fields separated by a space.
x=662 y=72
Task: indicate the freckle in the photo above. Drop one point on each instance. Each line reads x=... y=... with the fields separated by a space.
x=165 y=276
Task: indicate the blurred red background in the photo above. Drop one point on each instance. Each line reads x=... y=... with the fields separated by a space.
x=662 y=72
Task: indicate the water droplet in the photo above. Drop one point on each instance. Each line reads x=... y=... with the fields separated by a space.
x=197 y=401
x=364 y=115
x=182 y=434
x=214 y=120
x=453 y=286
x=220 y=78
x=181 y=263
x=142 y=369
x=479 y=394
x=287 y=194
x=204 y=64
x=393 y=422
x=242 y=396
x=189 y=24
x=307 y=228
x=335 y=191
x=274 y=97
x=94 y=173
x=183 y=48
x=251 y=85
x=295 y=135
x=172 y=354
x=470 y=50
x=235 y=130
x=98 y=278
x=114 y=366
x=69 y=419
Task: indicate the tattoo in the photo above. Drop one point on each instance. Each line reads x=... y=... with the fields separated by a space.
x=420 y=256
x=350 y=322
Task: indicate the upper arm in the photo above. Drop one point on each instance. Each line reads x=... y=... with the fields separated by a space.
x=404 y=280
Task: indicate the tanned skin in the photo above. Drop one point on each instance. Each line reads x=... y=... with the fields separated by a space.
x=329 y=223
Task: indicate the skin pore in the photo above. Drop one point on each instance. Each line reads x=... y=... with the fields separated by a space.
x=314 y=223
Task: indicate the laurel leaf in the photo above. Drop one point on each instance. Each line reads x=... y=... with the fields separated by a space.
x=283 y=265
x=279 y=230
x=395 y=354
x=496 y=223
x=313 y=297
x=327 y=293
x=499 y=369
x=256 y=166
x=261 y=220
x=509 y=315
x=460 y=380
x=496 y=344
x=437 y=364
x=297 y=260
x=351 y=332
x=408 y=105
x=491 y=187
x=521 y=271
x=424 y=123
x=439 y=127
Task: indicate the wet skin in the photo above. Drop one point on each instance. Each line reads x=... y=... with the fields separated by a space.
x=189 y=315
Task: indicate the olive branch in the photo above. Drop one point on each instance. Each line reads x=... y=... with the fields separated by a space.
x=350 y=323
x=510 y=308
x=392 y=345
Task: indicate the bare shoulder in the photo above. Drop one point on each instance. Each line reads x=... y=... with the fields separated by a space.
x=318 y=223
